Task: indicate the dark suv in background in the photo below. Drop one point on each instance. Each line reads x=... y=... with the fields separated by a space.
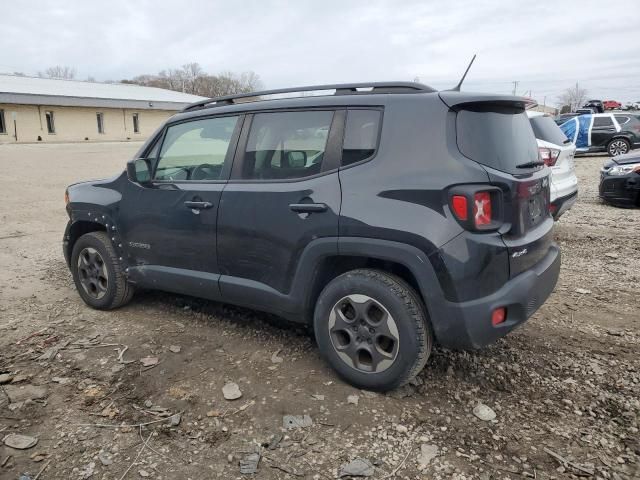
x=388 y=216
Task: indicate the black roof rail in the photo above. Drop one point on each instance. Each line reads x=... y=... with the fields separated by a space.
x=340 y=89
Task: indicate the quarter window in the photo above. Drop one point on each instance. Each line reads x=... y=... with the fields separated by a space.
x=3 y=125
x=286 y=145
x=195 y=150
x=136 y=123
x=100 y=119
x=602 y=122
x=622 y=119
x=361 y=135
x=51 y=126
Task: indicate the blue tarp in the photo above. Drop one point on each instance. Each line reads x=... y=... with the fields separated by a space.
x=577 y=130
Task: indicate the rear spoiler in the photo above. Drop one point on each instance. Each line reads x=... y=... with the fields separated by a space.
x=458 y=100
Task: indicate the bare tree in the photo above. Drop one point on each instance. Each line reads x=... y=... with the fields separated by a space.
x=59 y=71
x=573 y=97
x=191 y=78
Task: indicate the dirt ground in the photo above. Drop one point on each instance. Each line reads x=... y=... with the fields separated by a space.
x=565 y=387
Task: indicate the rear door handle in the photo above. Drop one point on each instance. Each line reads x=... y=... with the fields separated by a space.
x=308 y=207
x=198 y=205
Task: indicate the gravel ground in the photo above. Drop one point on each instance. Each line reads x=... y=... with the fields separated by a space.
x=565 y=387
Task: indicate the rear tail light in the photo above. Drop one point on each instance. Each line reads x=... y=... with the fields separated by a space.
x=477 y=207
x=549 y=155
x=460 y=207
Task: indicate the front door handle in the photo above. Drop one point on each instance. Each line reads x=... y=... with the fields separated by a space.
x=198 y=205
x=308 y=207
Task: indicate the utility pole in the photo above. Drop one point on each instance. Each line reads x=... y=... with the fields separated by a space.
x=515 y=86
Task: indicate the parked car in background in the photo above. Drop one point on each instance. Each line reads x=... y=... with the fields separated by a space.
x=597 y=105
x=586 y=111
x=557 y=152
x=620 y=180
x=632 y=106
x=615 y=134
x=611 y=105
x=563 y=117
x=388 y=219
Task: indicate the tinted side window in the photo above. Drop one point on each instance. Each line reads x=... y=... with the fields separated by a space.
x=286 y=145
x=602 y=122
x=622 y=119
x=361 y=135
x=195 y=150
x=544 y=128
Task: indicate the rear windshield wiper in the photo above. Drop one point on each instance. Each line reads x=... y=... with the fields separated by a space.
x=530 y=165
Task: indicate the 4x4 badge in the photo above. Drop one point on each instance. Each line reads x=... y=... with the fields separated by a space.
x=140 y=245
x=520 y=253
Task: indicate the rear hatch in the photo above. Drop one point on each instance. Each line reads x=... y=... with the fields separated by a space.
x=495 y=132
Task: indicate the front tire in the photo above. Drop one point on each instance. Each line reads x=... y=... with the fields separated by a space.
x=618 y=146
x=373 y=329
x=97 y=272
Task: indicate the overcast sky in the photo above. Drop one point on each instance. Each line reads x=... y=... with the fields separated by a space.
x=546 y=45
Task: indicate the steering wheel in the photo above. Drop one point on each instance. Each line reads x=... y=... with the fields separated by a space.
x=204 y=171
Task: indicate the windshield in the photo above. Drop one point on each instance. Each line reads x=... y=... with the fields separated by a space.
x=544 y=128
x=496 y=136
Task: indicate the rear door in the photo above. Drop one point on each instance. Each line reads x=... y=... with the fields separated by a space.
x=602 y=130
x=500 y=137
x=284 y=193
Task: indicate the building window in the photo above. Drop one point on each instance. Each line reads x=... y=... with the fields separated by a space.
x=51 y=126
x=3 y=125
x=100 y=118
x=136 y=123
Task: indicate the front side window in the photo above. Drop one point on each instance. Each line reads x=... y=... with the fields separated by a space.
x=3 y=125
x=195 y=150
x=51 y=126
x=100 y=119
x=136 y=123
x=286 y=145
x=361 y=135
x=602 y=122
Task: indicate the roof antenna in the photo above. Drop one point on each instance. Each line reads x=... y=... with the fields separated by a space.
x=457 y=87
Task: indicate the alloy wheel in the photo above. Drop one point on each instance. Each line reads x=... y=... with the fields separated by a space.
x=618 y=147
x=92 y=273
x=363 y=333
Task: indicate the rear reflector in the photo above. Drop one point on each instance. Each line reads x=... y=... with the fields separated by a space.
x=482 y=208
x=459 y=207
x=498 y=316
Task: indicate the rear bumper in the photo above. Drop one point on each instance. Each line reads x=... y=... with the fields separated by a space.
x=562 y=204
x=467 y=325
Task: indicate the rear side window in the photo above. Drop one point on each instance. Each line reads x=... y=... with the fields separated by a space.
x=361 y=135
x=495 y=136
x=622 y=119
x=286 y=145
x=544 y=128
x=602 y=122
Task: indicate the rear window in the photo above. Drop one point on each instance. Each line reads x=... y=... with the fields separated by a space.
x=544 y=128
x=498 y=137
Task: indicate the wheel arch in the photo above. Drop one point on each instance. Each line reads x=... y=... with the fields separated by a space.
x=75 y=230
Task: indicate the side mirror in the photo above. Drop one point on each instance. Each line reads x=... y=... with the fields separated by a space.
x=139 y=171
x=297 y=158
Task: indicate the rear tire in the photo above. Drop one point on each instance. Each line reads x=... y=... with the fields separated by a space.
x=618 y=146
x=373 y=329
x=97 y=272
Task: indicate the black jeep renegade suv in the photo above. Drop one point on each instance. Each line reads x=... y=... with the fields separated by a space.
x=388 y=215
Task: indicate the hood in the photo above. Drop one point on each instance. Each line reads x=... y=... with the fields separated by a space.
x=97 y=181
x=627 y=158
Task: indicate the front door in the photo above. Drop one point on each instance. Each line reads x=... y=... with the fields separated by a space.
x=170 y=225
x=284 y=193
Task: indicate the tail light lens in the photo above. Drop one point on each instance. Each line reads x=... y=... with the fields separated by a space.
x=477 y=207
x=549 y=155
x=482 y=208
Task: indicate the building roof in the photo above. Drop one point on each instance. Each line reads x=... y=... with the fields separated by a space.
x=50 y=91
